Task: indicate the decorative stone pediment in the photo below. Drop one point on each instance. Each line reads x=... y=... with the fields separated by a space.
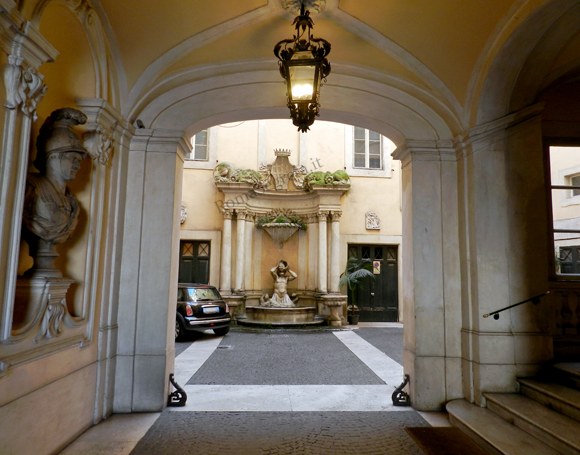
x=279 y=174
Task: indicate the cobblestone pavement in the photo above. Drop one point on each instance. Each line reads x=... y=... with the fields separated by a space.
x=286 y=357
x=269 y=433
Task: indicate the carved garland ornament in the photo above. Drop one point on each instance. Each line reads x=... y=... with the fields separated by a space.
x=24 y=88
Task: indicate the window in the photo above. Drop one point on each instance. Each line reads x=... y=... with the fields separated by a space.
x=565 y=198
x=568 y=259
x=367 y=153
x=199 y=146
x=575 y=181
x=367 y=149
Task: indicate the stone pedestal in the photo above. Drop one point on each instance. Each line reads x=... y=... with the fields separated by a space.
x=335 y=303
x=41 y=302
x=281 y=316
x=237 y=304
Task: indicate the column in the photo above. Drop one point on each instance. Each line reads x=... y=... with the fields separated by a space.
x=335 y=252
x=240 y=250
x=322 y=252
x=149 y=272
x=226 y=268
x=431 y=304
x=249 y=231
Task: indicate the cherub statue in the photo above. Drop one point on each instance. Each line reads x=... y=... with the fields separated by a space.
x=280 y=298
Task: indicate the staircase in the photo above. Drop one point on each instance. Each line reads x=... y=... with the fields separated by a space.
x=543 y=419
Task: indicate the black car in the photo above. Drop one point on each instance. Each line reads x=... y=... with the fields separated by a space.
x=200 y=307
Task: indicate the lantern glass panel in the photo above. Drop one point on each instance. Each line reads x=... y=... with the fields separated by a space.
x=302 y=82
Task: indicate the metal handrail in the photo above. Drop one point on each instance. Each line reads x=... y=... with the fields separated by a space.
x=535 y=300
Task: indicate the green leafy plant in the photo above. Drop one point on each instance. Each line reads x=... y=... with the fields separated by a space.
x=352 y=277
x=281 y=218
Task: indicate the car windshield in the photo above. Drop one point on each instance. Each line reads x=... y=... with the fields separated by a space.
x=201 y=294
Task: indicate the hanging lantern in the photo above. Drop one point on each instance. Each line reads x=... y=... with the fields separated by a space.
x=304 y=66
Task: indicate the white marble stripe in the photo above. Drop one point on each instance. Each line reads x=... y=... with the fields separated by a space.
x=280 y=398
x=189 y=361
x=381 y=364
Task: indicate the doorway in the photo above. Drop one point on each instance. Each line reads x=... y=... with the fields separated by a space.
x=378 y=298
x=194 y=261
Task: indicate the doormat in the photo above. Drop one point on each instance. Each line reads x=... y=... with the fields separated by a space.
x=444 y=441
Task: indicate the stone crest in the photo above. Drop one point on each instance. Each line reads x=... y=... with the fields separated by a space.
x=372 y=220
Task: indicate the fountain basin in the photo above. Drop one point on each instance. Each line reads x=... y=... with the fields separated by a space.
x=283 y=317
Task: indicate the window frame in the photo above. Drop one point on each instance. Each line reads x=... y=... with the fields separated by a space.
x=549 y=142
x=211 y=161
x=387 y=148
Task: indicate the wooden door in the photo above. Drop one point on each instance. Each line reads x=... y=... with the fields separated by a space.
x=378 y=298
x=194 y=261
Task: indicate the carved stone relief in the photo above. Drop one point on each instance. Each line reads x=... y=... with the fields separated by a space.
x=24 y=88
x=183 y=213
x=99 y=144
x=372 y=220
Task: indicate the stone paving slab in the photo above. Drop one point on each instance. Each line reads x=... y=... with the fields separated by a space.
x=262 y=398
x=283 y=358
x=272 y=433
x=388 y=340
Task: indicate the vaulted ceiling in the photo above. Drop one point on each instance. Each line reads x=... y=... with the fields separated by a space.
x=436 y=52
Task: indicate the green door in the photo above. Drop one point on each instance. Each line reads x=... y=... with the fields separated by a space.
x=378 y=299
x=194 y=262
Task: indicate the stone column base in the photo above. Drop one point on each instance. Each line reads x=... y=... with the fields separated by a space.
x=335 y=303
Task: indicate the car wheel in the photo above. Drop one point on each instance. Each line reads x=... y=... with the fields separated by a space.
x=222 y=331
x=179 y=331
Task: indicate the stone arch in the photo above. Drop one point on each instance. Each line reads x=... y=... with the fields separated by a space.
x=109 y=76
x=392 y=110
x=520 y=69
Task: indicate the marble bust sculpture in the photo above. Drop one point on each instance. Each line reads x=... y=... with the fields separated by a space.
x=50 y=211
x=280 y=298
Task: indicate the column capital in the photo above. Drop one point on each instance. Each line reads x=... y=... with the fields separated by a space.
x=425 y=150
x=228 y=214
x=241 y=215
x=322 y=215
x=251 y=216
x=103 y=120
x=336 y=214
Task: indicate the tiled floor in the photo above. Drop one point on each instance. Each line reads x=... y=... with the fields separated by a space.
x=276 y=391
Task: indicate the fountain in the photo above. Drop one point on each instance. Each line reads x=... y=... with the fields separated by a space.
x=281 y=309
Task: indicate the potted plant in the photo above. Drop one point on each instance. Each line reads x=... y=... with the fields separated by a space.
x=354 y=272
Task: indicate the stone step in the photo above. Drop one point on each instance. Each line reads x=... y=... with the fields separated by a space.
x=555 y=396
x=556 y=430
x=493 y=433
x=568 y=373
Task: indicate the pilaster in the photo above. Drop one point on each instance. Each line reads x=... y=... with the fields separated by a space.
x=431 y=275
x=26 y=50
x=149 y=272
